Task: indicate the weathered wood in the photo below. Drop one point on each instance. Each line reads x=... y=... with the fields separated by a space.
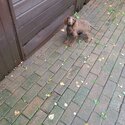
x=48 y=31
x=29 y=30
x=9 y=54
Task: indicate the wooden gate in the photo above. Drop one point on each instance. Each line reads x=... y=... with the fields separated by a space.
x=36 y=20
x=9 y=51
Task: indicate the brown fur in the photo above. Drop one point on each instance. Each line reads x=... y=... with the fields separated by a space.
x=75 y=27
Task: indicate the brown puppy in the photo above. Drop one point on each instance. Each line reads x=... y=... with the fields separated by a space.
x=76 y=27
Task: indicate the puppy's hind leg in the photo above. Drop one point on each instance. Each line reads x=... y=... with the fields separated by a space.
x=88 y=37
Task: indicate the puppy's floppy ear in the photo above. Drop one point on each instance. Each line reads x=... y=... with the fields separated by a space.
x=66 y=21
x=74 y=20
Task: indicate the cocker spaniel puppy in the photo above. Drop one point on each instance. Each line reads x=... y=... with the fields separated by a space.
x=76 y=27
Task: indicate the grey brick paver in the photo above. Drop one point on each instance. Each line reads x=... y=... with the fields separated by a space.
x=59 y=75
x=31 y=93
x=32 y=79
x=38 y=118
x=13 y=99
x=111 y=117
x=86 y=109
x=68 y=115
x=57 y=111
x=81 y=95
x=66 y=98
x=19 y=107
x=50 y=103
x=32 y=108
x=21 y=120
x=109 y=89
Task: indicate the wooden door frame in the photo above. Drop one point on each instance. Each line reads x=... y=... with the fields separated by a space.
x=9 y=30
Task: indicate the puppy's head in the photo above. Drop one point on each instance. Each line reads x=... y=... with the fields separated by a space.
x=70 y=21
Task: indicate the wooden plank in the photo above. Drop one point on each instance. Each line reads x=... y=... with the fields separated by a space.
x=3 y=68
x=15 y=1
x=9 y=31
x=25 y=5
x=32 y=28
x=5 y=51
x=34 y=12
x=48 y=31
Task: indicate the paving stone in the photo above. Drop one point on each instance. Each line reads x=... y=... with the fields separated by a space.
x=72 y=72
x=68 y=64
x=116 y=101
x=84 y=70
x=90 y=80
x=110 y=120
x=66 y=98
x=80 y=61
x=116 y=72
x=38 y=118
x=98 y=65
x=121 y=86
x=95 y=119
x=95 y=92
x=57 y=111
x=4 y=122
x=91 y=60
x=30 y=94
x=21 y=120
x=16 y=73
x=78 y=121
x=4 y=108
x=49 y=51
x=123 y=72
x=102 y=78
x=86 y=109
x=53 y=57
x=13 y=99
x=33 y=107
x=19 y=107
x=43 y=68
x=81 y=95
x=47 y=89
x=88 y=50
x=50 y=103
x=30 y=81
x=76 y=83
x=30 y=69
x=68 y=115
x=65 y=55
x=121 y=118
x=103 y=104
x=109 y=89
x=47 y=76
x=61 y=88
x=60 y=123
x=98 y=49
x=57 y=65
x=61 y=49
x=4 y=95
x=76 y=54
x=7 y=84
x=59 y=75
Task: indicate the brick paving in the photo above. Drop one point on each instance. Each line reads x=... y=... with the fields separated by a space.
x=79 y=85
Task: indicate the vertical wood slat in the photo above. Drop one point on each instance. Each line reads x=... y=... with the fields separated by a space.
x=9 y=31
x=9 y=54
